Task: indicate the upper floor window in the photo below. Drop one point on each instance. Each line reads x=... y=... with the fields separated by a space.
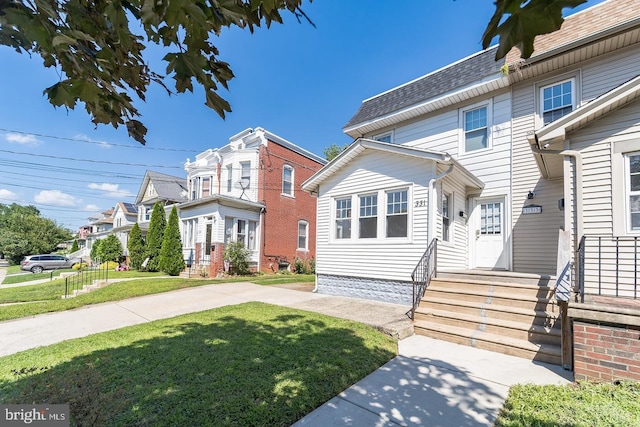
x=287 y=180
x=150 y=189
x=633 y=191
x=206 y=187
x=368 y=218
x=229 y=178
x=303 y=231
x=384 y=137
x=397 y=213
x=557 y=100
x=446 y=217
x=245 y=175
x=343 y=218
x=476 y=128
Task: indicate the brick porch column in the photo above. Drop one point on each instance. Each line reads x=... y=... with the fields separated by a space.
x=217 y=260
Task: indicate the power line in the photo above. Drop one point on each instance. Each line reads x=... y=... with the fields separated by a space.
x=89 y=141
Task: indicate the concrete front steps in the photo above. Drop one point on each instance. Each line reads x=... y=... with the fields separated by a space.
x=510 y=313
x=97 y=284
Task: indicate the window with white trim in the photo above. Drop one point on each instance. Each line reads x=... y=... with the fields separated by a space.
x=368 y=218
x=287 y=180
x=303 y=232
x=206 y=187
x=229 y=178
x=245 y=175
x=445 y=211
x=343 y=218
x=632 y=162
x=556 y=100
x=384 y=137
x=475 y=125
x=397 y=213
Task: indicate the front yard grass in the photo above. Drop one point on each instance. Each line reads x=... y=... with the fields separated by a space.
x=252 y=364
x=575 y=405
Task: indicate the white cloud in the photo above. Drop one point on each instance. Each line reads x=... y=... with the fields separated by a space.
x=111 y=190
x=91 y=208
x=23 y=139
x=103 y=144
x=55 y=198
x=7 y=195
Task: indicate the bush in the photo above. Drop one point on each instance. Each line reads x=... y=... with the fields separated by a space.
x=304 y=266
x=80 y=266
x=109 y=265
x=238 y=257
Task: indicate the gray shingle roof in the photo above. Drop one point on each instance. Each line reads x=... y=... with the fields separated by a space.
x=454 y=76
x=168 y=187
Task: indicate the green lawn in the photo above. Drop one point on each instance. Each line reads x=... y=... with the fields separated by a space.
x=46 y=297
x=252 y=364
x=21 y=277
x=583 y=404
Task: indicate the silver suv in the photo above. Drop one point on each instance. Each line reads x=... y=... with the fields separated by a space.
x=38 y=263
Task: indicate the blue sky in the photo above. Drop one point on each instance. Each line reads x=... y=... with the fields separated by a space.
x=299 y=82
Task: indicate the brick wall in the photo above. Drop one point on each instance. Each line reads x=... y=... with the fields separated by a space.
x=606 y=353
x=280 y=221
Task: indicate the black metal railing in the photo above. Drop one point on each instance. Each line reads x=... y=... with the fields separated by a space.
x=84 y=278
x=423 y=273
x=608 y=266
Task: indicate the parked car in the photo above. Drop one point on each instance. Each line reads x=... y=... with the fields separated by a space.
x=38 y=263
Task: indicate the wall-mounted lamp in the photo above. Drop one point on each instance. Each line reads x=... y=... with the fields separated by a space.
x=462 y=214
x=531 y=195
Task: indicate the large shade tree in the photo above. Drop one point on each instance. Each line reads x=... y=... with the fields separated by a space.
x=23 y=231
x=100 y=46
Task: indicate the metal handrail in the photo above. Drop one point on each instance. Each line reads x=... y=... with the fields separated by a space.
x=425 y=270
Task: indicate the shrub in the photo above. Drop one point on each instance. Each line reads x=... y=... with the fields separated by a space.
x=238 y=257
x=155 y=236
x=110 y=248
x=137 y=247
x=171 y=259
x=304 y=266
x=79 y=266
x=109 y=265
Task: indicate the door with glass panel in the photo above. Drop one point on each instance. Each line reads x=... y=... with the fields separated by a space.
x=489 y=220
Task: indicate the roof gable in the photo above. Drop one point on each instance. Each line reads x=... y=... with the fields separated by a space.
x=168 y=187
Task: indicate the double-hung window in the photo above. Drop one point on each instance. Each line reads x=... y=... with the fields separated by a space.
x=557 y=100
x=287 y=180
x=633 y=191
x=229 y=178
x=446 y=217
x=476 y=128
x=397 y=213
x=343 y=218
x=368 y=218
x=303 y=231
x=245 y=176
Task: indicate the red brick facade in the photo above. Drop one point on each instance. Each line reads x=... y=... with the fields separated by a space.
x=606 y=353
x=283 y=213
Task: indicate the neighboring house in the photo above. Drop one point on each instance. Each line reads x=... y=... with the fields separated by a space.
x=117 y=221
x=249 y=191
x=158 y=187
x=498 y=164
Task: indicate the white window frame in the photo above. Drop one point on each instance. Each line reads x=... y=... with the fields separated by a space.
x=245 y=173
x=541 y=109
x=305 y=224
x=381 y=136
x=387 y=214
x=229 y=178
x=334 y=202
x=488 y=105
x=447 y=229
x=376 y=216
x=629 y=192
x=291 y=192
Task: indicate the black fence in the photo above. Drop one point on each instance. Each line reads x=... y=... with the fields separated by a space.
x=84 y=278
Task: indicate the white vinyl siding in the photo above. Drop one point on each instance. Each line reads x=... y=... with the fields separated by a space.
x=371 y=173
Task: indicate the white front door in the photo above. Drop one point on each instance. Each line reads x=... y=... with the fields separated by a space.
x=489 y=234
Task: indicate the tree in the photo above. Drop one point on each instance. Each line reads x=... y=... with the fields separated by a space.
x=332 y=151
x=74 y=247
x=110 y=249
x=524 y=21
x=238 y=257
x=95 y=250
x=103 y=62
x=24 y=232
x=155 y=236
x=171 y=257
x=137 y=247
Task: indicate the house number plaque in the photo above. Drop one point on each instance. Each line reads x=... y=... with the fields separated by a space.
x=531 y=209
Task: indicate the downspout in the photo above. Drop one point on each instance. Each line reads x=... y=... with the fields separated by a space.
x=433 y=201
x=578 y=187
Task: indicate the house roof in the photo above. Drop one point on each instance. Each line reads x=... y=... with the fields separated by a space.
x=128 y=208
x=587 y=24
x=225 y=201
x=553 y=135
x=460 y=74
x=361 y=145
x=168 y=187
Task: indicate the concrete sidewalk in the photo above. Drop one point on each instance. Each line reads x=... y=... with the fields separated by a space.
x=431 y=382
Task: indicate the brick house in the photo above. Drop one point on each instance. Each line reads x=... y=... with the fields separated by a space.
x=250 y=191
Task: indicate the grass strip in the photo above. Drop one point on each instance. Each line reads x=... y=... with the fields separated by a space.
x=582 y=404
x=252 y=364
